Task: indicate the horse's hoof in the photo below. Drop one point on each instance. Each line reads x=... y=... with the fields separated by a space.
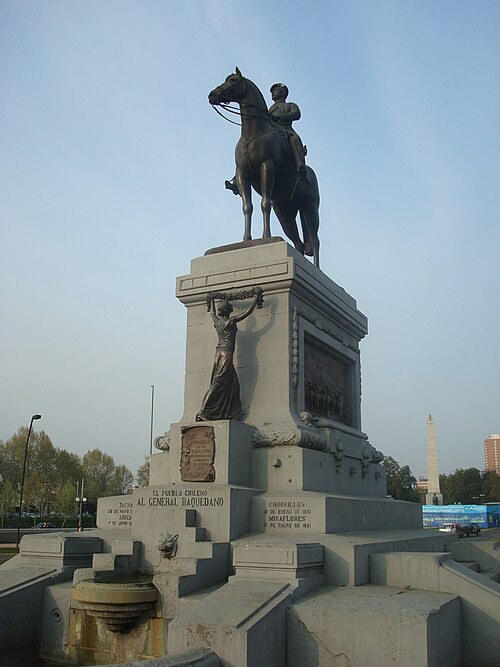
x=247 y=237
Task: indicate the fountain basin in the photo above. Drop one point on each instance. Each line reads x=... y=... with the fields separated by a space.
x=119 y=604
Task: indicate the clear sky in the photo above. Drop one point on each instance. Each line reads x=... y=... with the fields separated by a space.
x=112 y=168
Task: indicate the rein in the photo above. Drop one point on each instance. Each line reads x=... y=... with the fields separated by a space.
x=236 y=112
x=222 y=115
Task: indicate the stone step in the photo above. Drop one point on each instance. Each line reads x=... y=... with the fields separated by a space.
x=375 y=625
x=193 y=528
x=208 y=571
x=439 y=572
x=124 y=557
x=190 y=575
x=490 y=574
x=245 y=620
x=472 y=565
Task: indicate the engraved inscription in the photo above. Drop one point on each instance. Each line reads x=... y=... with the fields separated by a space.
x=120 y=515
x=197 y=454
x=171 y=497
x=327 y=385
x=287 y=515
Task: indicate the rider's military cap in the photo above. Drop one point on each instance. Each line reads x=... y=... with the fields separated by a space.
x=279 y=85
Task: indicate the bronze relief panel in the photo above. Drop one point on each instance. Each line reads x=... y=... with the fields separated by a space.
x=197 y=454
x=327 y=384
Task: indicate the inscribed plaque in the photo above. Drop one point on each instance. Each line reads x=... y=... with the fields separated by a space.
x=197 y=454
x=327 y=385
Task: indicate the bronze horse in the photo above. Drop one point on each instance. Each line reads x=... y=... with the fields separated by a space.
x=265 y=162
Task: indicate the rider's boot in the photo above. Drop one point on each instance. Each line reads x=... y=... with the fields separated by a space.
x=233 y=186
x=298 y=154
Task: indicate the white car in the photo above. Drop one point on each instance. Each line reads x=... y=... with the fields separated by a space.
x=448 y=528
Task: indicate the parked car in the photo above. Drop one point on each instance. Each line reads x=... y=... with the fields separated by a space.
x=448 y=528
x=44 y=524
x=468 y=530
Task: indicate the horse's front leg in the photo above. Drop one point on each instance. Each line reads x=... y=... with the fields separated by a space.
x=245 y=189
x=267 y=186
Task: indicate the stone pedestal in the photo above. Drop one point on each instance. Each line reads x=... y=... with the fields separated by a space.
x=433 y=498
x=300 y=352
x=297 y=360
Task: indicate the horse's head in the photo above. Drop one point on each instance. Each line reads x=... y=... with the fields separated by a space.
x=232 y=90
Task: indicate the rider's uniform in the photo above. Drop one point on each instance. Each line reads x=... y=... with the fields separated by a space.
x=284 y=113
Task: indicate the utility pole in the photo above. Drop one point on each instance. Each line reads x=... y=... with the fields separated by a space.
x=152 y=414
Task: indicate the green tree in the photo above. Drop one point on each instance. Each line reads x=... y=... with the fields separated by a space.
x=401 y=484
x=490 y=484
x=37 y=494
x=122 y=480
x=12 y=455
x=52 y=474
x=142 y=474
x=41 y=480
x=65 y=501
x=9 y=497
x=43 y=474
x=69 y=467
x=99 y=474
x=462 y=486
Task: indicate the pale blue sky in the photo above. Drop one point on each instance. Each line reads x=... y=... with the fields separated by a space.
x=112 y=170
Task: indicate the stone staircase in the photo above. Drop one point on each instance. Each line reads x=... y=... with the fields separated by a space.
x=197 y=569
x=198 y=563
x=479 y=555
x=479 y=595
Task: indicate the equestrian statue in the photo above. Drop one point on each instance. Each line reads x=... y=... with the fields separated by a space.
x=270 y=158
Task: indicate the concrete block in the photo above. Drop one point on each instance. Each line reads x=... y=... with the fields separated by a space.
x=115 y=512
x=277 y=561
x=55 y=622
x=233 y=447
x=196 y=658
x=244 y=622
x=21 y=610
x=223 y=512
x=375 y=626
x=480 y=597
x=62 y=550
x=485 y=554
x=308 y=512
x=347 y=556
x=480 y=613
x=415 y=570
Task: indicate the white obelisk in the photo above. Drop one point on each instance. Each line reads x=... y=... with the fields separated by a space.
x=433 y=496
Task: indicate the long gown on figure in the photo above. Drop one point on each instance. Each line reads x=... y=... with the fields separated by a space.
x=222 y=400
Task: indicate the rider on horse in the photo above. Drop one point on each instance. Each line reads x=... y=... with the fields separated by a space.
x=283 y=113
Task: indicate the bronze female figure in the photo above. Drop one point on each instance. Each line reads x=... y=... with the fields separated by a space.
x=222 y=400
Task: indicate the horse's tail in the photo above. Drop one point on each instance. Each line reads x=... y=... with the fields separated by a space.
x=309 y=213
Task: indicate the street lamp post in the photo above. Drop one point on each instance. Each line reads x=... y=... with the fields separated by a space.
x=33 y=418
x=80 y=499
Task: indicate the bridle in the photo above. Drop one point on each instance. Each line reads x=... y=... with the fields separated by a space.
x=236 y=111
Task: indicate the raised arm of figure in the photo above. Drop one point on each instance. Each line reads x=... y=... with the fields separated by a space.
x=213 y=311
x=250 y=309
